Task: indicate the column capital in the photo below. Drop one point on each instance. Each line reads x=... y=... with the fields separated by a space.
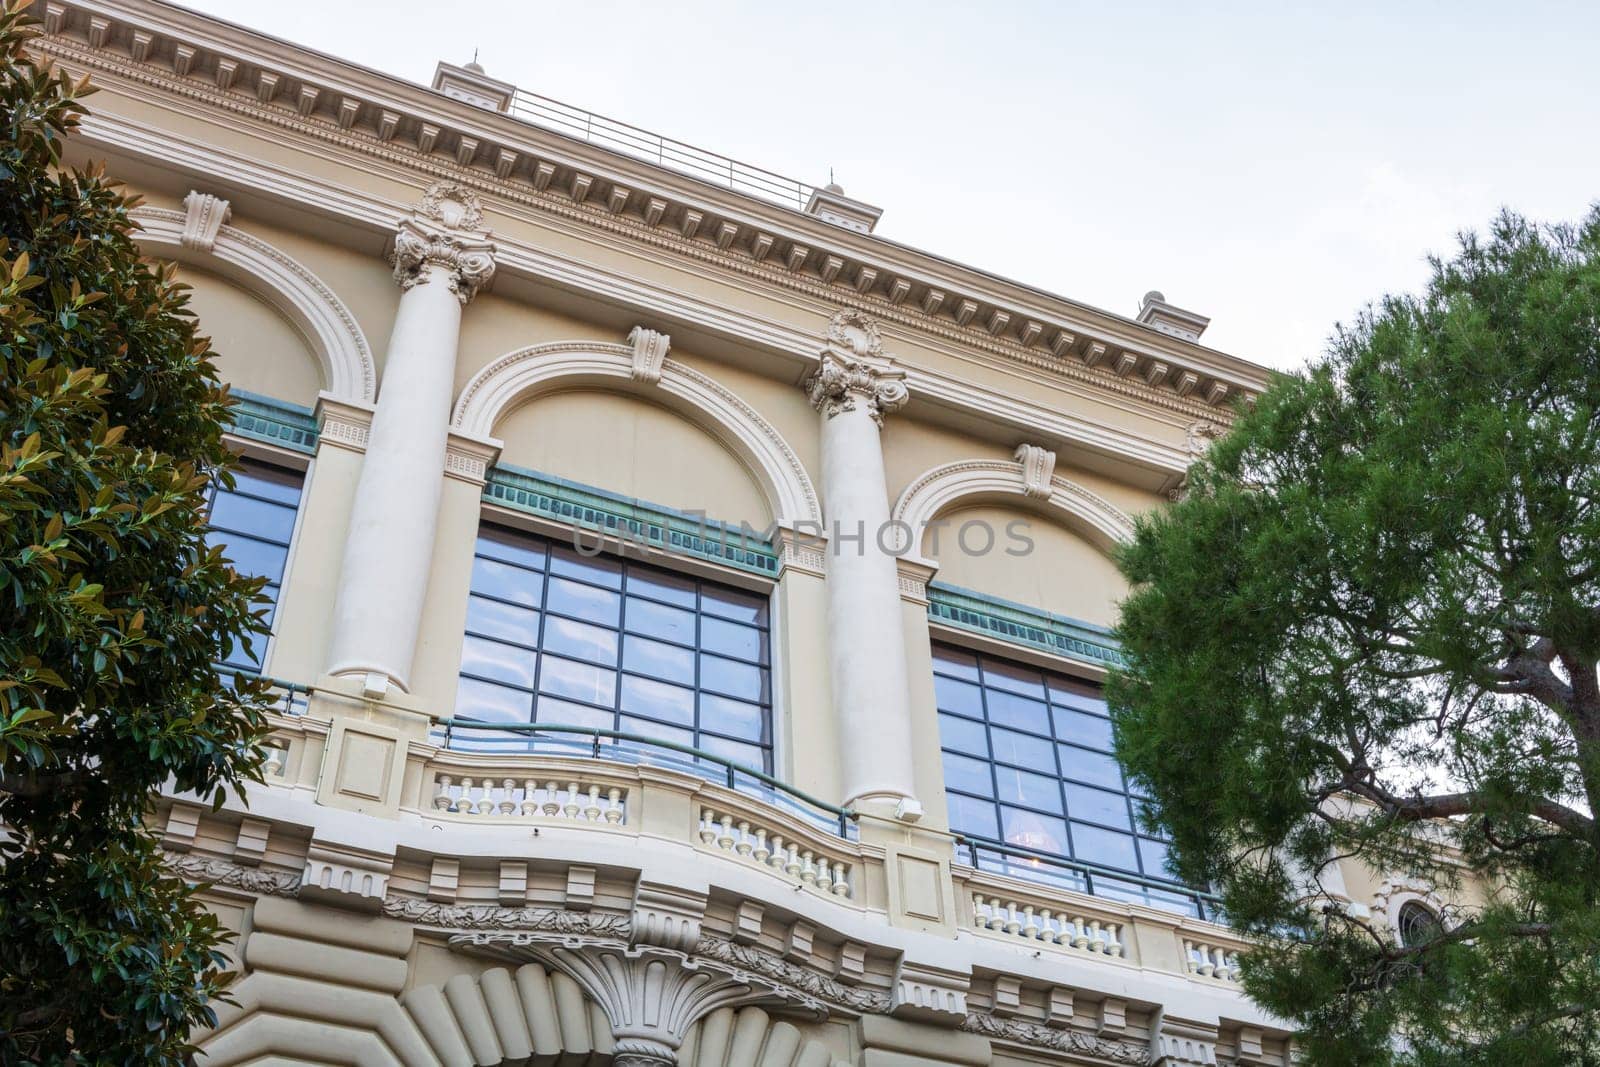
x=445 y=231
x=853 y=370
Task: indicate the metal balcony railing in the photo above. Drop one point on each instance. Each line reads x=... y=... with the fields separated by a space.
x=1032 y=865
x=556 y=739
x=663 y=151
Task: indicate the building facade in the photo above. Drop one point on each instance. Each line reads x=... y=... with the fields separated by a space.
x=689 y=608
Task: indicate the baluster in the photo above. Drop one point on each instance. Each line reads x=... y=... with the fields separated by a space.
x=808 y=868
x=791 y=865
x=997 y=914
x=776 y=859
x=1096 y=942
x=1047 y=927
x=508 y=797
x=725 y=835
x=1030 y=925
x=1189 y=955
x=614 y=805
x=708 y=826
x=591 y=811
x=441 y=793
x=552 y=799
x=464 y=801
x=571 y=808
x=274 y=765
x=1013 y=919
x=761 y=851
x=529 y=805
x=1114 y=939
x=824 y=878
x=841 y=880
x=742 y=844
x=1207 y=967
x=1080 y=936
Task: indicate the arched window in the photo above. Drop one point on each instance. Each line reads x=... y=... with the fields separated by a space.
x=1417 y=924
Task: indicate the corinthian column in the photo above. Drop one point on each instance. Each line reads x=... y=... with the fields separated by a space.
x=854 y=387
x=442 y=256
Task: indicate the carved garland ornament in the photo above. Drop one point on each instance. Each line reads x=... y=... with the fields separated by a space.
x=1074 y=1041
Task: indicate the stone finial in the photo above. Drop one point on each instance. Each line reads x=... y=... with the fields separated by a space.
x=1038 y=467
x=471 y=85
x=855 y=371
x=831 y=205
x=204 y=216
x=445 y=233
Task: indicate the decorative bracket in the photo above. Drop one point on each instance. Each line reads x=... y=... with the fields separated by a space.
x=203 y=218
x=1038 y=467
x=649 y=353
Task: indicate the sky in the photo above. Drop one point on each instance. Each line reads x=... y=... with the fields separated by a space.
x=1275 y=166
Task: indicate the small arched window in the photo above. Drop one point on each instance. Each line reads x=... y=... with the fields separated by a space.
x=1417 y=923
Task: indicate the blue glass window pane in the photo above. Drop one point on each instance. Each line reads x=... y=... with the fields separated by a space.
x=730 y=677
x=660 y=731
x=1104 y=847
x=1071 y=695
x=1096 y=768
x=1023 y=750
x=492 y=703
x=948 y=661
x=498 y=662
x=732 y=639
x=579 y=681
x=1028 y=789
x=962 y=698
x=1008 y=709
x=659 y=586
x=252 y=558
x=970 y=815
x=658 y=620
x=566 y=713
x=1029 y=829
x=658 y=700
x=1097 y=805
x=254 y=479
x=236 y=513
x=507 y=622
x=732 y=717
x=581 y=640
x=601 y=570
x=963 y=735
x=967 y=774
x=512 y=549
x=584 y=602
x=737 y=751
x=1022 y=680
x=503 y=581
x=1082 y=729
x=740 y=607
x=658 y=659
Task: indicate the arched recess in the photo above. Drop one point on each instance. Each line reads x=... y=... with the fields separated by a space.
x=943 y=487
x=330 y=330
x=506 y=1016
x=530 y=372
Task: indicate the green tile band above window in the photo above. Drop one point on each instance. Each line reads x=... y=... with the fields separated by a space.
x=275 y=422
x=1021 y=625
x=630 y=521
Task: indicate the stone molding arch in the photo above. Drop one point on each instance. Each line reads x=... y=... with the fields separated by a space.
x=942 y=487
x=1394 y=893
x=526 y=373
x=327 y=325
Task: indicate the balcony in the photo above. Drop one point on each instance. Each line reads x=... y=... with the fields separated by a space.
x=630 y=794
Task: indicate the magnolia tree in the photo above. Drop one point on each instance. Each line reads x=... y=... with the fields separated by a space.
x=1370 y=630
x=112 y=609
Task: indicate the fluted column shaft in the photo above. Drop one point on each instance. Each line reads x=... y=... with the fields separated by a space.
x=853 y=388
x=441 y=258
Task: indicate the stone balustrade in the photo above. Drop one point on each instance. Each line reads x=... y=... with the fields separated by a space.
x=1052 y=926
x=798 y=856
x=1211 y=961
x=526 y=797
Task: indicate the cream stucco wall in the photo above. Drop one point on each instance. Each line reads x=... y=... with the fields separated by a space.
x=258 y=350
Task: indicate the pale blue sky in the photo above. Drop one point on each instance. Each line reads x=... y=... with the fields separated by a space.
x=1272 y=165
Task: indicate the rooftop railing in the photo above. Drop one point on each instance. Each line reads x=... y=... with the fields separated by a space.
x=663 y=151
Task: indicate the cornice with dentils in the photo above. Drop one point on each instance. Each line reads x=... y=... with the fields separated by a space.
x=226 y=63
